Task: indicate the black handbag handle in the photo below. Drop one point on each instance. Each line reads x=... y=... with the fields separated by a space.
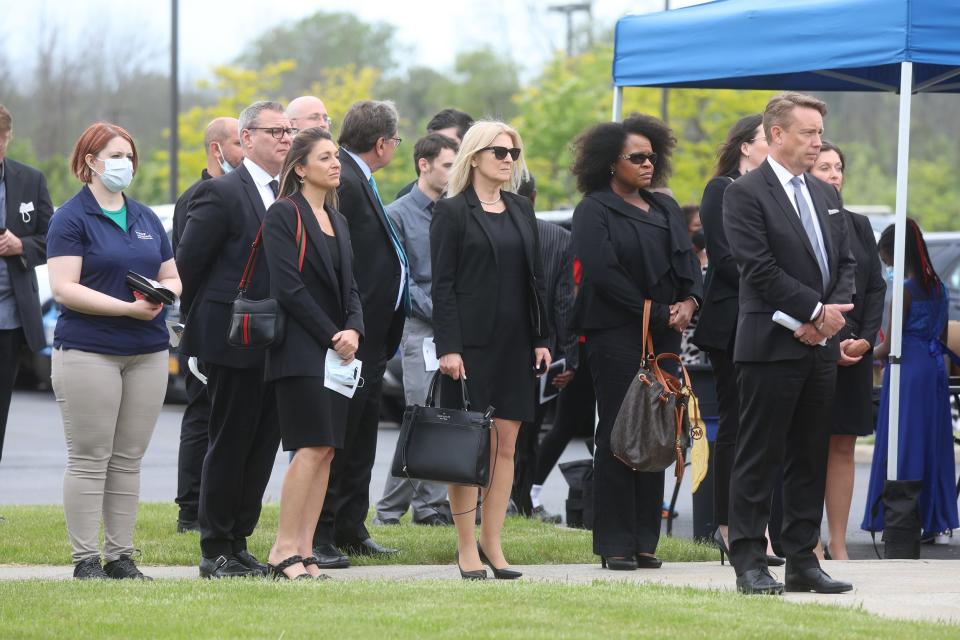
x=431 y=393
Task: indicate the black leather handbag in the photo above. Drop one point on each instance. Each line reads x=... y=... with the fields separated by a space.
x=444 y=445
x=257 y=324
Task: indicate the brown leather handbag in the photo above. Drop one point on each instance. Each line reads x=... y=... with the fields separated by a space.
x=652 y=429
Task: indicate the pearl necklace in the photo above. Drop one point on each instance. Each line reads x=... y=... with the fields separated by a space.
x=499 y=196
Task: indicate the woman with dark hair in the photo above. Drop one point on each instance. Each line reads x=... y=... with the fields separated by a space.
x=926 y=428
x=109 y=347
x=633 y=246
x=853 y=409
x=306 y=246
x=744 y=150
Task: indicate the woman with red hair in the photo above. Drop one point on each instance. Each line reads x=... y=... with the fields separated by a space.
x=109 y=347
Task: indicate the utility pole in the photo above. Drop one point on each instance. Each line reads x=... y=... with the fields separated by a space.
x=568 y=10
x=174 y=100
x=665 y=93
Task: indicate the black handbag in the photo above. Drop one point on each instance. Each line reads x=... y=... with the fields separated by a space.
x=258 y=324
x=444 y=445
x=652 y=429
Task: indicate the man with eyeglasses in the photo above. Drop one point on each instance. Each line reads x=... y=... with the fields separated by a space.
x=308 y=111
x=368 y=142
x=223 y=219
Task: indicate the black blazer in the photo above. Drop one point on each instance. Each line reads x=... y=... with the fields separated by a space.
x=557 y=259
x=608 y=238
x=25 y=185
x=778 y=267
x=465 y=272
x=223 y=218
x=318 y=303
x=718 y=314
x=376 y=266
x=864 y=321
x=180 y=222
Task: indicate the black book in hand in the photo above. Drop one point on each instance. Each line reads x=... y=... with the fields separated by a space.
x=151 y=289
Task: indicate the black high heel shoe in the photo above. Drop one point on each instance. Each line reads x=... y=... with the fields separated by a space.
x=772 y=561
x=499 y=574
x=480 y=574
x=618 y=564
x=277 y=569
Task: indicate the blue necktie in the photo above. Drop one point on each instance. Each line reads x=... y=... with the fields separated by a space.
x=806 y=218
x=401 y=254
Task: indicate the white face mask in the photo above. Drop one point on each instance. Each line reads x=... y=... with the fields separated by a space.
x=117 y=173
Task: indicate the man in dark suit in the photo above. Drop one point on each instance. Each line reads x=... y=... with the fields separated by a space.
x=223 y=218
x=368 y=141
x=451 y=123
x=224 y=154
x=792 y=248
x=25 y=211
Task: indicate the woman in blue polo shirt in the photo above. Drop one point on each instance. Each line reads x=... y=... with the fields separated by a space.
x=110 y=348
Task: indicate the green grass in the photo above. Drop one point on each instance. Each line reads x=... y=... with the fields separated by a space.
x=38 y=535
x=422 y=609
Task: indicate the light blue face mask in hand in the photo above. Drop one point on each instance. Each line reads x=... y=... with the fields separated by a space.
x=343 y=378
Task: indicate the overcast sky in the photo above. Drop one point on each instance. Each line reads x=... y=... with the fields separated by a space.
x=216 y=31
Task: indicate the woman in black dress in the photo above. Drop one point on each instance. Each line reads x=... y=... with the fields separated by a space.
x=490 y=326
x=633 y=246
x=853 y=408
x=313 y=282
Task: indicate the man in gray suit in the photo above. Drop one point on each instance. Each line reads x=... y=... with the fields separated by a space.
x=433 y=156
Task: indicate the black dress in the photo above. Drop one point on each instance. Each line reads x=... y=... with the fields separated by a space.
x=311 y=415
x=501 y=373
x=853 y=404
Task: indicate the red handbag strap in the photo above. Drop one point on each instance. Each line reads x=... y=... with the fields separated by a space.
x=301 y=239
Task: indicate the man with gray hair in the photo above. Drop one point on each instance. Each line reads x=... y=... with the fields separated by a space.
x=368 y=141
x=223 y=219
x=308 y=111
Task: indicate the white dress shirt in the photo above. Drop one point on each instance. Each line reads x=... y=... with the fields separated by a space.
x=262 y=179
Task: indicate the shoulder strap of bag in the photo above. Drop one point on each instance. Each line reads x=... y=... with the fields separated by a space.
x=300 y=236
x=647 y=338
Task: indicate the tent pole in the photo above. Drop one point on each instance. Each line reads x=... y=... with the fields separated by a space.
x=899 y=245
x=617 y=103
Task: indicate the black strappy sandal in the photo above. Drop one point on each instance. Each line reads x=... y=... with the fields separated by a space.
x=277 y=569
x=312 y=560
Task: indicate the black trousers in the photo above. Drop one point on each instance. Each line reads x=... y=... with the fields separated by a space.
x=194 y=439
x=626 y=503
x=724 y=447
x=244 y=438
x=348 y=493
x=10 y=341
x=785 y=422
x=525 y=458
x=576 y=407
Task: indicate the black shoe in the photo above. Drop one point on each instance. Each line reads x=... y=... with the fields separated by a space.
x=545 y=516
x=277 y=569
x=89 y=568
x=389 y=522
x=185 y=526
x=330 y=557
x=648 y=562
x=775 y=561
x=248 y=560
x=124 y=567
x=313 y=560
x=815 y=579
x=368 y=548
x=479 y=574
x=434 y=520
x=759 y=581
x=618 y=564
x=499 y=574
x=224 y=567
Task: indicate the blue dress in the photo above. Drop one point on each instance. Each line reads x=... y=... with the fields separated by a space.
x=926 y=428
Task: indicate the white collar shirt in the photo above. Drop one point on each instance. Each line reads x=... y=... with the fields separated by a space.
x=262 y=179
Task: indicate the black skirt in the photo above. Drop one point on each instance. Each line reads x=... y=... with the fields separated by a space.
x=853 y=403
x=311 y=415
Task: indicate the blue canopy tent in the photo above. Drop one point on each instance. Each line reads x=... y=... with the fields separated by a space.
x=904 y=46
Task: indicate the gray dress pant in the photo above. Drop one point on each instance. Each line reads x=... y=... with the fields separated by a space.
x=399 y=494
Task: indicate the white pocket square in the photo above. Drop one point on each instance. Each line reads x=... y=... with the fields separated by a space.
x=832 y=212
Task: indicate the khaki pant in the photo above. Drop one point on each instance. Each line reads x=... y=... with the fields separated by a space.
x=110 y=406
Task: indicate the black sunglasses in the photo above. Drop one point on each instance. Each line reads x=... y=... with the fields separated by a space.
x=277 y=132
x=640 y=158
x=500 y=153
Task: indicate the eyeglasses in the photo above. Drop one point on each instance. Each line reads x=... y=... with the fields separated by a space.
x=316 y=117
x=396 y=141
x=500 y=153
x=277 y=132
x=640 y=158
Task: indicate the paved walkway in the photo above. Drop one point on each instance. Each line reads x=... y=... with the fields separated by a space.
x=915 y=589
